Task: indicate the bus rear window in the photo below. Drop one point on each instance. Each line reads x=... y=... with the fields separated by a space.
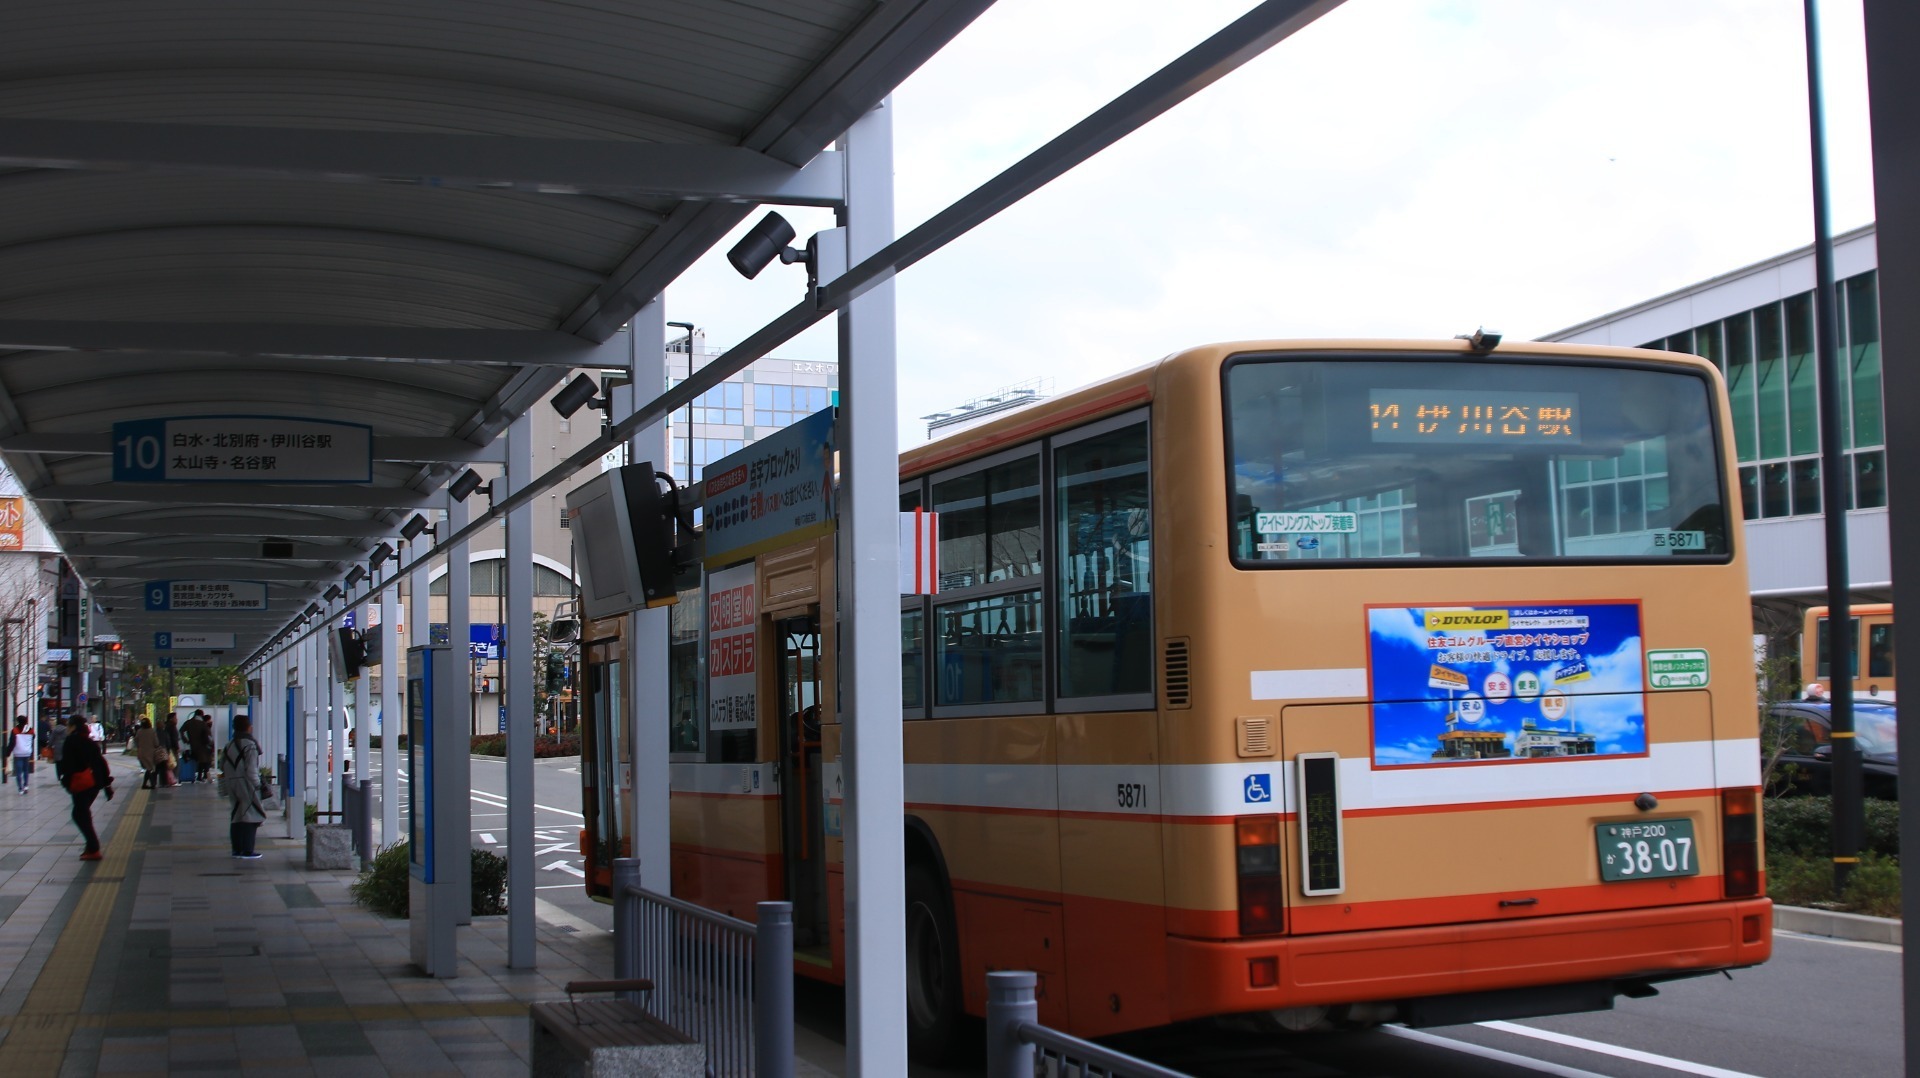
x=1450 y=460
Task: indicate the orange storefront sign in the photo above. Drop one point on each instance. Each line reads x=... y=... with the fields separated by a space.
x=13 y=523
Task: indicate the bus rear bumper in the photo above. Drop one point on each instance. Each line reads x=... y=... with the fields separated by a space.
x=1216 y=977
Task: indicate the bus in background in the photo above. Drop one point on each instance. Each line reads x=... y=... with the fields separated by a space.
x=1872 y=645
x=1315 y=683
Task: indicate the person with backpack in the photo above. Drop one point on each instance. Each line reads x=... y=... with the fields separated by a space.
x=20 y=747
x=83 y=771
x=240 y=770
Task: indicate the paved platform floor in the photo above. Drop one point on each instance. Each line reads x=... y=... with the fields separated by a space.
x=171 y=956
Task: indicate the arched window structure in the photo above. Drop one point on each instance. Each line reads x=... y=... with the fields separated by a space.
x=490 y=578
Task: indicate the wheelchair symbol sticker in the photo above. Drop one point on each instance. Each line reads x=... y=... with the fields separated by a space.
x=1258 y=788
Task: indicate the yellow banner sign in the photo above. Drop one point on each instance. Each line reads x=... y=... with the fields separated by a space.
x=1443 y=620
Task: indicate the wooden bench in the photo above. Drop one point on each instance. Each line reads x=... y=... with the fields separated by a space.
x=608 y=1038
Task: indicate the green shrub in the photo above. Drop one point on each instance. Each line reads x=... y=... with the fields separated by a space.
x=489 y=883
x=1807 y=879
x=1804 y=826
x=313 y=813
x=383 y=887
x=544 y=746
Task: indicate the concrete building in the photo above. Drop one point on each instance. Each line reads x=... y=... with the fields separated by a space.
x=1756 y=324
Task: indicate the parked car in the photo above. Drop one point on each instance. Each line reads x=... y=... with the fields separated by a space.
x=1807 y=765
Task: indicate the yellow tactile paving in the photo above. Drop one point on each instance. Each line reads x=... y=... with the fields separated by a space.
x=37 y=1038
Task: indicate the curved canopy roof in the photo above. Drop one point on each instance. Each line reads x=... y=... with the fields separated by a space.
x=413 y=216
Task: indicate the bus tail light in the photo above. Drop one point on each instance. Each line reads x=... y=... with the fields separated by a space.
x=1256 y=848
x=1740 y=843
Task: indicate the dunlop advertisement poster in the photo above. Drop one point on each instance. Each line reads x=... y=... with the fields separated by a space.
x=1496 y=682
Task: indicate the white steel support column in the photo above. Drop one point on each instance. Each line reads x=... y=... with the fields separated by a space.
x=650 y=830
x=419 y=608
x=336 y=714
x=393 y=675
x=459 y=598
x=519 y=664
x=313 y=684
x=869 y=595
x=362 y=708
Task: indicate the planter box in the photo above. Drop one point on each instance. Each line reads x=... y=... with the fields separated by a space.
x=329 y=845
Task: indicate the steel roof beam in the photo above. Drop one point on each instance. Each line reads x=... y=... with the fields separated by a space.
x=327 y=495
x=148 y=550
x=621 y=169
x=894 y=40
x=525 y=347
x=200 y=571
x=385 y=447
x=268 y=527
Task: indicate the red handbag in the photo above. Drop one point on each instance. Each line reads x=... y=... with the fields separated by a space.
x=81 y=781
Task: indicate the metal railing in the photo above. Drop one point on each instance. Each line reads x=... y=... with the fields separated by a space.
x=725 y=983
x=356 y=810
x=1018 y=1046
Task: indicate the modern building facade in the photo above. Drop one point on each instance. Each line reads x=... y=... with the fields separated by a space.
x=1757 y=325
x=766 y=396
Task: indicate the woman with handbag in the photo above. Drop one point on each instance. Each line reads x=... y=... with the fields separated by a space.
x=83 y=771
x=240 y=766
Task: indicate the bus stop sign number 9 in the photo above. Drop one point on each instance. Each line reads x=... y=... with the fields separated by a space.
x=1650 y=850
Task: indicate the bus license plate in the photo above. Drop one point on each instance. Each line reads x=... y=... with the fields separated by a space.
x=1646 y=850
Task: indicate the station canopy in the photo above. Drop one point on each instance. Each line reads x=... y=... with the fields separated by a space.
x=411 y=218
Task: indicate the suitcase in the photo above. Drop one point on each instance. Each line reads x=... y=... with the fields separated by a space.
x=186 y=769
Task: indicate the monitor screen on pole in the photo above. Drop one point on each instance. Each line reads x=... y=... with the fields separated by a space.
x=623 y=536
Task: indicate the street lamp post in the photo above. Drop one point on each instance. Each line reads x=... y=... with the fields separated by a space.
x=689 y=327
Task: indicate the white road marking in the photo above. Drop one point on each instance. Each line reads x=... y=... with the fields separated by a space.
x=1495 y=1054
x=488 y=839
x=1634 y=1054
x=569 y=770
x=556 y=848
x=498 y=801
x=557 y=886
x=562 y=866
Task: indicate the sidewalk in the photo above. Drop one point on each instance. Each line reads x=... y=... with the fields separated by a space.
x=171 y=956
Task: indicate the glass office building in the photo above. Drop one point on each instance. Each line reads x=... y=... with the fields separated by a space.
x=1757 y=325
x=770 y=394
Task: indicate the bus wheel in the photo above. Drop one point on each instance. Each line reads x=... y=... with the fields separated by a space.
x=933 y=970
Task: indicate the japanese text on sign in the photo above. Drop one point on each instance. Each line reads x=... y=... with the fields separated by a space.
x=1454 y=416
x=245 y=449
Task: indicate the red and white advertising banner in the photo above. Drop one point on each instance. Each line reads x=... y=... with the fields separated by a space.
x=919 y=553
x=730 y=674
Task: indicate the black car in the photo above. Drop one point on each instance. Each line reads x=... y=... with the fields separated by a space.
x=1807 y=765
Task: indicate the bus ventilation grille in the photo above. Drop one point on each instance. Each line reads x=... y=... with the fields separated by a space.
x=1175 y=675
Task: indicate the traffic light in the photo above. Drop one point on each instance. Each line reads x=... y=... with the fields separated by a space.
x=556 y=670
x=114 y=646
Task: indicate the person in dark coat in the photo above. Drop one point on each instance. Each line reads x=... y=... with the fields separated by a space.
x=200 y=745
x=170 y=736
x=240 y=767
x=84 y=773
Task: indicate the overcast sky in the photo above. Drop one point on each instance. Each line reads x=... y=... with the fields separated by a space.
x=1401 y=168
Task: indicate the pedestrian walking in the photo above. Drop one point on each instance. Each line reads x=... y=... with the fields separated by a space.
x=146 y=747
x=240 y=769
x=83 y=771
x=170 y=735
x=20 y=745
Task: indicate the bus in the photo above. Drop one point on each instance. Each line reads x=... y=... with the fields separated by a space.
x=1872 y=639
x=1313 y=683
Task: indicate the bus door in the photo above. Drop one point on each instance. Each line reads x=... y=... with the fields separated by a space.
x=797 y=673
x=606 y=767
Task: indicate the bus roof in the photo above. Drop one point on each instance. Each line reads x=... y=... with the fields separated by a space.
x=1135 y=387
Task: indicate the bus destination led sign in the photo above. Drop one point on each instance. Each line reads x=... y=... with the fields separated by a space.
x=1469 y=416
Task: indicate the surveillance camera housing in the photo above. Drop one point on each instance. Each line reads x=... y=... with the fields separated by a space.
x=576 y=394
x=761 y=245
x=467 y=482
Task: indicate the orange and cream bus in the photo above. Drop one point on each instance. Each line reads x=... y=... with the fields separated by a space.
x=1318 y=682
x=1872 y=650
